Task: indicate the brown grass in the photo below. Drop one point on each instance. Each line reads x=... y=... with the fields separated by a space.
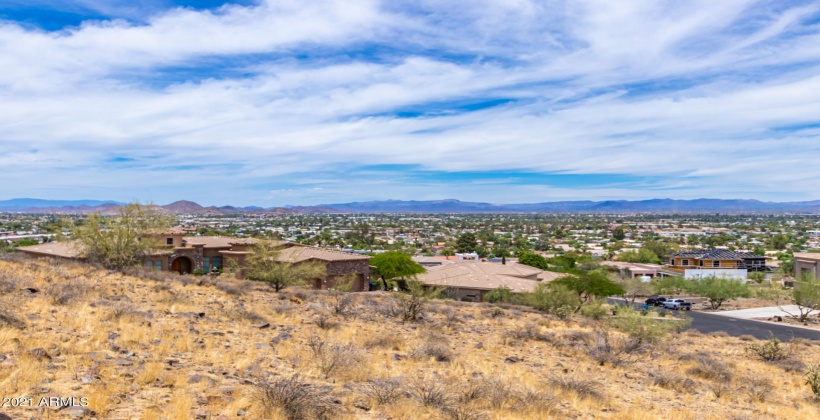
x=137 y=347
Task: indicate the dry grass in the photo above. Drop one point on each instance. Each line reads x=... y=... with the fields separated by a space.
x=162 y=346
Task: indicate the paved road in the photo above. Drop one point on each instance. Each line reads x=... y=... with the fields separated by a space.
x=709 y=323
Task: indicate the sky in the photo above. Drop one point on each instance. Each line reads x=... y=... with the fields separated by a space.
x=277 y=102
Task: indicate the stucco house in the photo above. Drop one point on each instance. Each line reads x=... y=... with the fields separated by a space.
x=471 y=280
x=184 y=254
x=806 y=264
x=714 y=262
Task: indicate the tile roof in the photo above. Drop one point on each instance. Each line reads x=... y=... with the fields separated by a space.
x=303 y=253
x=485 y=276
x=715 y=254
x=68 y=249
x=218 y=241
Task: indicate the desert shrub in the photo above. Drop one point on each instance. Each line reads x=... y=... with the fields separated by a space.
x=67 y=292
x=747 y=337
x=436 y=347
x=557 y=300
x=8 y=282
x=231 y=288
x=645 y=329
x=334 y=359
x=674 y=381
x=757 y=386
x=499 y=295
x=298 y=400
x=120 y=310
x=616 y=350
x=324 y=322
x=584 y=388
x=812 y=377
x=710 y=369
x=595 y=310
x=239 y=312
x=384 y=341
x=770 y=350
x=412 y=302
x=431 y=392
x=384 y=391
x=8 y=317
x=791 y=365
x=451 y=317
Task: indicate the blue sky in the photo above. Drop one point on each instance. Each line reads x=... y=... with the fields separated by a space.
x=274 y=102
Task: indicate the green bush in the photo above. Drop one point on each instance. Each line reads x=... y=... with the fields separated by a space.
x=643 y=328
x=770 y=350
x=198 y=272
x=554 y=299
x=813 y=379
x=501 y=295
x=597 y=309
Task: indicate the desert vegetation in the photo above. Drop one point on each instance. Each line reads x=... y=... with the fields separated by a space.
x=159 y=345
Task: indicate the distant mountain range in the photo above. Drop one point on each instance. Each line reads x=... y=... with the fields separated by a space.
x=30 y=205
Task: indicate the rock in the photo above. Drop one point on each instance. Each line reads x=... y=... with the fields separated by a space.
x=513 y=359
x=31 y=290
x=263 y=346
x=75 y=411
x=39 y=353
x=2 y=358
x=5 y=417
x=123 y=362
x=241 y=413
x=86 y=379
x=777 y=318
x=113 y=335
x=261 y=325
x=219 y=333
x=479 y=346
x=397 y=356
x=201 y=414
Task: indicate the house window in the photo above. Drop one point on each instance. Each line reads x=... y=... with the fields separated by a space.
x=158 y=265
x=169 y=241
x=206 y=264
x=715 y=263
x=684 y=262
x=700 y=263
x=672 y=261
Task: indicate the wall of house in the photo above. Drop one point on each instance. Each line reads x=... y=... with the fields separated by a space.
x=466 y=295
x=717 y=272
x=806 y=266
x=337 y=269
x=723 y=264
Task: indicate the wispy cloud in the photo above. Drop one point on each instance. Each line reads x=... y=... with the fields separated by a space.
x=497 y=101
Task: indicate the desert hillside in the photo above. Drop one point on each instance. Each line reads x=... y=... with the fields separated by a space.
x=162 y=346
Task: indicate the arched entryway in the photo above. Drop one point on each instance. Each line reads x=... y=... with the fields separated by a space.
x=182 y=265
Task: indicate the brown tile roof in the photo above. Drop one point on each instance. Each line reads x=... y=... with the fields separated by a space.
x=68 y=249
x=485 y=276
x=217 y=241
x=304 y=253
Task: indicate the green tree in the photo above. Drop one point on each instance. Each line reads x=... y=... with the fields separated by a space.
x=618 y=233
x=640 y=256
x=502 y=294
x=717 y=289
x=122 y=240
x=672 y=285
x=466 y=243
x=395 y=264
x=533 y=260
x=778 y=241
x=661 y=249
x=589 y=284
x=634 y=287
x=806 y=295
x=265 y=263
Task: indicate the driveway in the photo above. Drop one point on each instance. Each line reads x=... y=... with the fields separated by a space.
x=766 y=312
x=711 y=322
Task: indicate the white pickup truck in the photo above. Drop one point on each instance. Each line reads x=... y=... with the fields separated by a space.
x=677 y=304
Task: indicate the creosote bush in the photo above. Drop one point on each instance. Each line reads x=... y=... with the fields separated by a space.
x=298 y=400
x=770 y=350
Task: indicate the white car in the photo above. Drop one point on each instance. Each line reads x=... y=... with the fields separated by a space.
x=677 y=304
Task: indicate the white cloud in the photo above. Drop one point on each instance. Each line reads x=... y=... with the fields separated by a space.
x=695 y=92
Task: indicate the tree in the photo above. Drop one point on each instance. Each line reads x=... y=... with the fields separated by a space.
x=778 y=241
x=533 y=260
x=414 y=299
x=618 y=233
x=640 y=256
x=806 y=295
x=395 y=264
x=661 y=249
x=466 y=243
x=264 y=263
x=123 y=240
x=717 y=289
x=672 y=285
x=593 y=283
x=634 y=287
